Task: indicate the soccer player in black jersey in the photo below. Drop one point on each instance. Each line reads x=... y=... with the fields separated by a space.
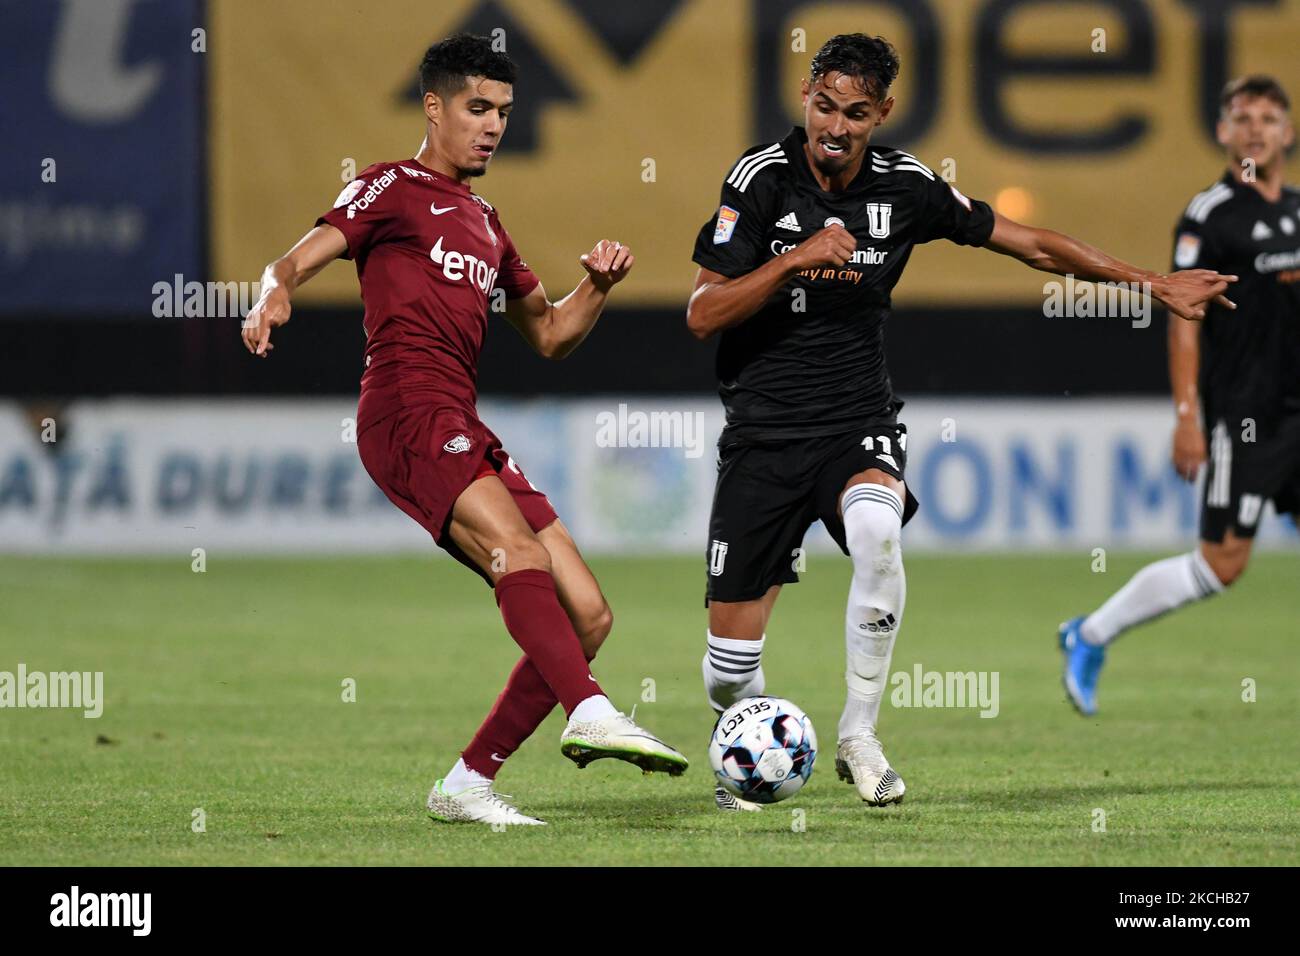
x=796 y=269
x=1240 y=372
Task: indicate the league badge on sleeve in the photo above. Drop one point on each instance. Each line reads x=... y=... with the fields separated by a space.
x=725 y=226
x=349 y=192
x=1187 y=249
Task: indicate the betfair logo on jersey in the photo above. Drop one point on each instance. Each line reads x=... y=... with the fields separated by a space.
x=461 y=265
x=362 y=202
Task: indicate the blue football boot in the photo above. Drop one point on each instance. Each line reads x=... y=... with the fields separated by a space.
x=1082 y=667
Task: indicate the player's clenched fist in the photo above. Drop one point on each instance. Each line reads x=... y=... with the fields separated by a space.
x=832 y=246
x=272 y=309
x=607 y=263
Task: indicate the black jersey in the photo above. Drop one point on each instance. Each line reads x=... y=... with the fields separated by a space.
x=811 y=361
x=1250 y=356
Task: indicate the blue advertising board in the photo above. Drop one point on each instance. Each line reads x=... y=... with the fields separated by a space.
x=101 y=172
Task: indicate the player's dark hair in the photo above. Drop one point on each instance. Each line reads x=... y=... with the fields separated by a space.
x=871 y=59
x=1257 y=84
x=449 y=62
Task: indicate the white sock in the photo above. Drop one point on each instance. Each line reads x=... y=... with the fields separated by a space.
x=733 y=670
x=1157 y=589
x=595 y=707
x=461 y=778
x=873 y=523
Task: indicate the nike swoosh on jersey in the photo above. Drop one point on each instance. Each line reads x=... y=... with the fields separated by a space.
x=433 y=208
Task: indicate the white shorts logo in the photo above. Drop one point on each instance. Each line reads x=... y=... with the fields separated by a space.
x=1248 y=510
x=457 y=445
x=717 y=558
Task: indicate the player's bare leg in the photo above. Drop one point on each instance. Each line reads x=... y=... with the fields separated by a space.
x=1227 y=558
x=871 y=507
x=732 y=665
x=1154 y=591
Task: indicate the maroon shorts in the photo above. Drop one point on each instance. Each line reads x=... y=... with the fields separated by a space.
x=423 y=458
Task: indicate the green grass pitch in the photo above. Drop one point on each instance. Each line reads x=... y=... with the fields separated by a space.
x=223 y=692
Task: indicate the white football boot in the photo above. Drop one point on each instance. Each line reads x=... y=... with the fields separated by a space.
x=617 y=736
x=476 y=804
x=726 y=800
x=860 y=760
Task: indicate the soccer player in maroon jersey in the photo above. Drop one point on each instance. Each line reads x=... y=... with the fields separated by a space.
x=429 y=255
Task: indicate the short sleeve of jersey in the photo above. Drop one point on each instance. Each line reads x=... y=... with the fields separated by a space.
x=1195 y=246
x=947 y=214
x=365 y=211
x=514 y=277
x=731 y=243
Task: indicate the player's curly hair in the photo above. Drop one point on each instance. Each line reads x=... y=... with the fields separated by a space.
x=448 y=62
x=871 y=59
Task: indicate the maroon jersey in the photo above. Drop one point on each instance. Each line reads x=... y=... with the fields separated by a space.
x=429 y=254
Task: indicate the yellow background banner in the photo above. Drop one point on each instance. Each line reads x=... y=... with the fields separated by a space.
x=300 y=89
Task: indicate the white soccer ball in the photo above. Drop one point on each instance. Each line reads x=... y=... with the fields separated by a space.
x=763 y=749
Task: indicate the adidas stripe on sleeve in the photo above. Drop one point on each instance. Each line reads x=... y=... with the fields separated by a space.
x=731 y=243
x=1195 y=246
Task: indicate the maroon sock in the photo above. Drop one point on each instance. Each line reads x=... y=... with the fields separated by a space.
x=533 y=615
x=523 y=705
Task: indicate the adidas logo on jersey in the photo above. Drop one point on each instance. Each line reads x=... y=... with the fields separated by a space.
x=788 y=221
x=1261 y=232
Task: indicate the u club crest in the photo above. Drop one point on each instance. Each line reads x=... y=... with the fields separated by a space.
x=878 y=214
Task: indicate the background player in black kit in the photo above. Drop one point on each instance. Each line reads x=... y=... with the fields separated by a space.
x=796 y=271
x=1247 y=223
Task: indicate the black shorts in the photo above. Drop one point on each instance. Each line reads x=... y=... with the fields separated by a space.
x=770 y=492
x=1250 y=462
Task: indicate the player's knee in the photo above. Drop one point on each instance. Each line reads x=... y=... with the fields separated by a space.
x=1227 y=560
x=593 y=628
x=522 y=553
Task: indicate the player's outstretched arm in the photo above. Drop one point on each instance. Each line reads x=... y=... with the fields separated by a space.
x=1189 y=451
x=312 y=253
x=555 y=329
x=1183 y=293
x=718 y=302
